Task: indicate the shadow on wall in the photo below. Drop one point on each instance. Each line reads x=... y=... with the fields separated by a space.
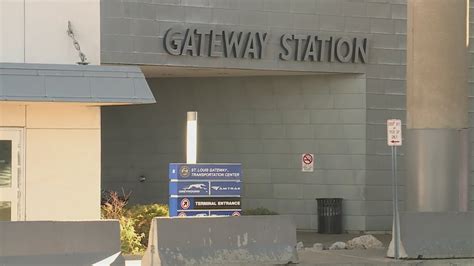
x=265 y=123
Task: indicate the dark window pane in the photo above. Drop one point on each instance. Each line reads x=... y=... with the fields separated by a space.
x=5 y=163
x=5 y=211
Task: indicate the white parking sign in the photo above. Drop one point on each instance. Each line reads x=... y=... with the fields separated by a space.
x=394 y=132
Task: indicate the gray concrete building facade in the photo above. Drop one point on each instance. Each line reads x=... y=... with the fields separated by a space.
x=271 y=79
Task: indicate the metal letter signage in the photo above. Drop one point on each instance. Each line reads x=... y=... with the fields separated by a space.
x=253 y=45
x=204 y=189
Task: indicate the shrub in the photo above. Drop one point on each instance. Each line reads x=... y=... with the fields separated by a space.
x=143 y=214
x=114 y=205
x=129 y=238
x=259 y=211
x=134 y=221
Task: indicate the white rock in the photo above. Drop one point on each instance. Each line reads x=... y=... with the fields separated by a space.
x=338 y=245
x=364 y=242
x=318 y=247
x=299 y=246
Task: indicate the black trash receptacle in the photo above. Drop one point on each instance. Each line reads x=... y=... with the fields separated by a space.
x=330 y=215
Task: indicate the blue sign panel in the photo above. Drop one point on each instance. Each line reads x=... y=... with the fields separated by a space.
x=205 y=189
x=203 y=203
x=206 y=203
x=189 y=188
x=225 y=188
x=225 y=213
x=205 y=171
x=193 y=213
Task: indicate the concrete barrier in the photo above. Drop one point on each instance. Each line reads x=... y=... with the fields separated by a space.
x=222 y=241
x=60 y=243
x=436 y=235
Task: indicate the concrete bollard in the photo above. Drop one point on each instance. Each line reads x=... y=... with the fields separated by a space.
x=60 y=243
x=222 y=241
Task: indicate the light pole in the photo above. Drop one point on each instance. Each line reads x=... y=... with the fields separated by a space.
x=191 y=138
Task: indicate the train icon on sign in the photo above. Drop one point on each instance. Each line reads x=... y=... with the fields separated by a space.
x=226 y=188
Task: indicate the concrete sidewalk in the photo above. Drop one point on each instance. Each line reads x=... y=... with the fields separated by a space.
x=367 y=257
x=358 y=257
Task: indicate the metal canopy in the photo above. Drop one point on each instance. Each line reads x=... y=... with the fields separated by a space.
x=73 y=83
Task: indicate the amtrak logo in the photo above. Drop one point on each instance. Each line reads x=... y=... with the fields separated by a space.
x=184 y=171
x=226 y=188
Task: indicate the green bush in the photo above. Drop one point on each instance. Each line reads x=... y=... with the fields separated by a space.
x=142 y=215
x=259 y=211
x=129 y=238
x=134 y=221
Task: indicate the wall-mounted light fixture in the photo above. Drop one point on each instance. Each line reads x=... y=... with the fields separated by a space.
x=191 y=138
x=70 y=33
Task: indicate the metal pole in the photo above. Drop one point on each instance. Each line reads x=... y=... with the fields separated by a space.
x=191 y=138
x=396 y=226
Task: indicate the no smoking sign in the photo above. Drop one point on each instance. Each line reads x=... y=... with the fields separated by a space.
x=307 y=162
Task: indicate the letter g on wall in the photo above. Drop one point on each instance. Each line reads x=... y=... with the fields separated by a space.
x=173 y=45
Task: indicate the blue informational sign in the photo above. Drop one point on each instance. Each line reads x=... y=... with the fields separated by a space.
x=207 y=213
x=205 y=189
x=204 y=203
x=183 y=171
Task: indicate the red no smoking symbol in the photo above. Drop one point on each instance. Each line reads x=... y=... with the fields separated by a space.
x=185 y=203
x=307 y=158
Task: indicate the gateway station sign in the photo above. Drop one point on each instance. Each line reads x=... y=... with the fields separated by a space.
x=254 y=44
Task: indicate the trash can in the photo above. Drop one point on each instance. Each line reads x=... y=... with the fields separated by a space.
x=329 y=215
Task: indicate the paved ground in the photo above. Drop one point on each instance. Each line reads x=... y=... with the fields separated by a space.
x=368 y=257
x=132 y=263
x=352 y=257
x=358 y=257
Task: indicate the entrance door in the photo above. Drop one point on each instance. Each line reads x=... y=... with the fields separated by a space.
x=10 y=173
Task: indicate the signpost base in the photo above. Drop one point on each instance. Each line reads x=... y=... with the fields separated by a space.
x=402 y=254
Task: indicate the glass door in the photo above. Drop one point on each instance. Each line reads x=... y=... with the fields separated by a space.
x=10 y=172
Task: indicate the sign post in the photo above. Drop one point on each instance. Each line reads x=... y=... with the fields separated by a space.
x=394 y=139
